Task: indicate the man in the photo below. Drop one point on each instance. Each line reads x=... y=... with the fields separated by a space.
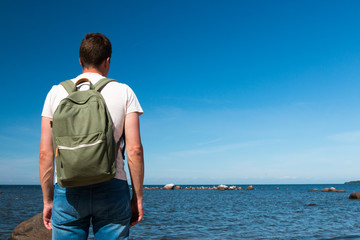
x=68 y=211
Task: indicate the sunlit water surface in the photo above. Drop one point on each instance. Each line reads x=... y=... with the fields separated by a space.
x=265 y=213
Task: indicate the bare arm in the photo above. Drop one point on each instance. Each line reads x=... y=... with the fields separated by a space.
x=136 y=165
x=46 y=169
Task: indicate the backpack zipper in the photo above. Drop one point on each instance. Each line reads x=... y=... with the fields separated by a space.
x=79 y=146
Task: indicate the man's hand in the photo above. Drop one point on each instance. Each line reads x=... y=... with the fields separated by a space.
x=47 y=211
x=137 y=212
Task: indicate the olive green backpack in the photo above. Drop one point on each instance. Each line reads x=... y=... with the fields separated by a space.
x=83 y=139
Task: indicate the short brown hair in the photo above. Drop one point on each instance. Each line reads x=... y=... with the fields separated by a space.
x=94 y=49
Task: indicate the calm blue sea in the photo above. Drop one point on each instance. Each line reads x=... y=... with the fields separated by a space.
x=265 y=213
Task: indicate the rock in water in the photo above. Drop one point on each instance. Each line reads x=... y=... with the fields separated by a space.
x=32 y=229
x=354 y=195
x=169 y=186
x=313 y=190
x=250 y=188
x=222 y=187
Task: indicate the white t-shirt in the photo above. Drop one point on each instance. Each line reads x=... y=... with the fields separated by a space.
x=119 y=98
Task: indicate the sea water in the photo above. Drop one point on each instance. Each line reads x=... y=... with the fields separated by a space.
x=268 y=212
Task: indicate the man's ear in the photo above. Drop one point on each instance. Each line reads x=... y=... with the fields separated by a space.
x=107 y=64
x=80 y=63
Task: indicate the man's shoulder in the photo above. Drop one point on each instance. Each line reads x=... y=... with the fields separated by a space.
x=118 y=85
x=56 y=89
x=118 y=90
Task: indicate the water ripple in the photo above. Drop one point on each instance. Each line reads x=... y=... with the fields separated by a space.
x=265 y=213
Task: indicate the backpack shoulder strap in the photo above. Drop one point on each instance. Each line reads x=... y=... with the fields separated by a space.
x=102 y=82
x=69 y=86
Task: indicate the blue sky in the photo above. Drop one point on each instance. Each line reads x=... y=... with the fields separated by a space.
x=242 y=92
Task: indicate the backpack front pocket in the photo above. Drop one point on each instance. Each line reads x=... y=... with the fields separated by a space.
x=81 y=158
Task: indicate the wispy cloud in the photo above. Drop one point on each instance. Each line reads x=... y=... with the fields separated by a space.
x=352 y=136
x=218 y=149
x=19 y=170
x=303 y=103
x=210 y=142
x=194 y=99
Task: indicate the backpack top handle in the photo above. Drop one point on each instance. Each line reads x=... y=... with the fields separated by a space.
x=81 y=80
x=71 y=87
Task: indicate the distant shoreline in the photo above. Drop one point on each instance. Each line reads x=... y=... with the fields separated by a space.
x=353 y=182
x=199 y=184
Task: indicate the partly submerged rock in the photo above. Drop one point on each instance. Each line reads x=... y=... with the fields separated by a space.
x=331 y=189
x=169 y=186
x=32 y=229
x=314 y=190
x=354 y=195
x=222 y=187
x=250 y=188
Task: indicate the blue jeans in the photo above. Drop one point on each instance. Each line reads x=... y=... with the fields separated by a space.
x=107 y=205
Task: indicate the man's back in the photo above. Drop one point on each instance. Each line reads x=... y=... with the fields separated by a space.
x=120 y=101
x=68 y=211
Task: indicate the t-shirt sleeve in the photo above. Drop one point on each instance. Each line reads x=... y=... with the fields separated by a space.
x=47 y=109
x=133 y=104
